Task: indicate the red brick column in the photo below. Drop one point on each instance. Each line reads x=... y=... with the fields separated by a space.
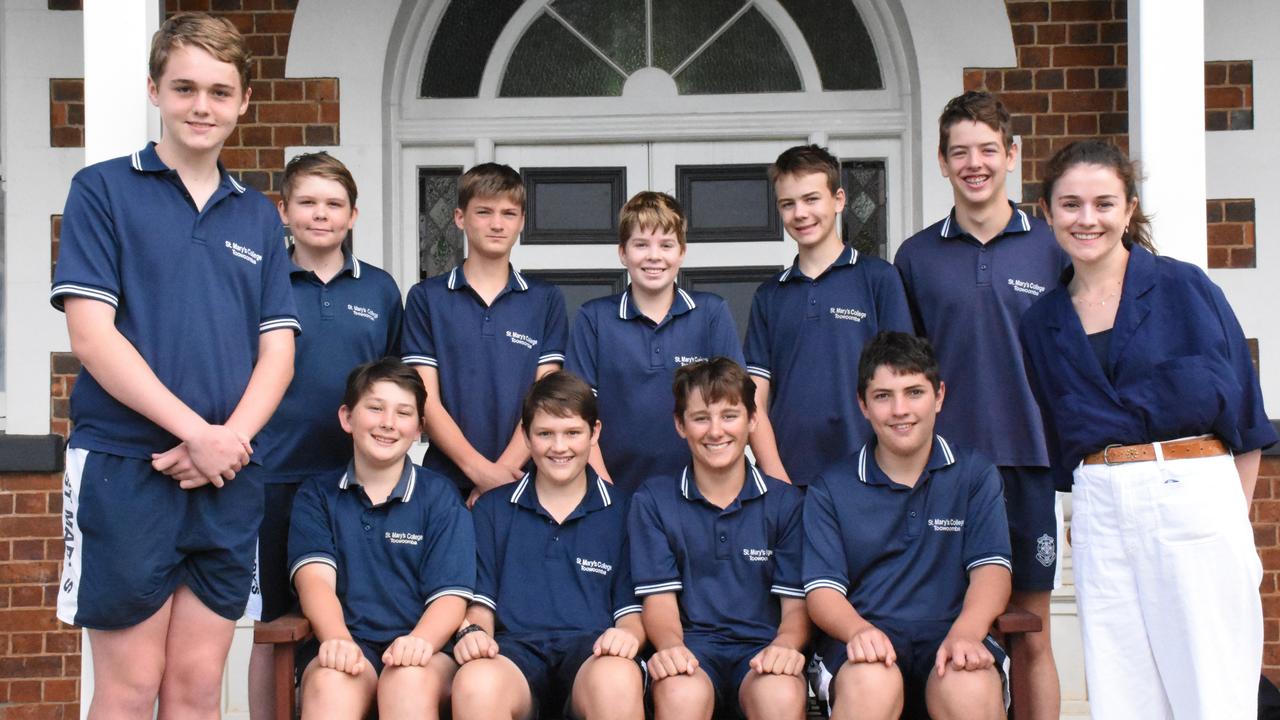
x=1266 y=524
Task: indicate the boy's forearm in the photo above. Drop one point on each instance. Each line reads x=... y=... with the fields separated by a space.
x=120 y=369
x=320 y=605
x=986 y=598
x=478 y=614
x=632 y=623
x=661 y=619
x=793 y=629
x=267 y=385
x=441 y=620
x=834 y=615
x=441 y=429
x=516 y=454
x=764 y=444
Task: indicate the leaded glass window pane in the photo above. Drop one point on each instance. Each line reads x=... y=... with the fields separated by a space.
x=839 y=41
x=748 y=58
x=865 y=222
x=680 y=27
x=461 y=47
x=439 y=238
x=549 y=61
x=616 y=28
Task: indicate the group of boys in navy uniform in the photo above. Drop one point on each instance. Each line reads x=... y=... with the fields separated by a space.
x=614 y=513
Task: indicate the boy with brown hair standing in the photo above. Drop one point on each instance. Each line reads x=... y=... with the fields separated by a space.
x=173 y=278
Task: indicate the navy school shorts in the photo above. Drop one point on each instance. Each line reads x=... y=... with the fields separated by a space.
x=726 y=662
x=310 y=648
x=550 y=664
x=132 y=536
x=1035 y=527
x=916 y=645
x=271 y=594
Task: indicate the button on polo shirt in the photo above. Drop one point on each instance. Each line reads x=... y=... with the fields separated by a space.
x=352 y=319
x=968 y=297
x=905 y=553
x=192 y=290
x=486 y=355
x=805 y=338
x=542 y=577
x=392 y=559
x=729 y=566
x=630 y=362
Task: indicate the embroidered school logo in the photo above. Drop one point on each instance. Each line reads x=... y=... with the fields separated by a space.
x=403 y=538
x=362 y=312
x=853 y=314
x=593 y=566
x=1046 y=550
x=244 y=253
x=946 y=524
x=683 y=360
x=521 y=339
x=757 y=555
x=1027 y=287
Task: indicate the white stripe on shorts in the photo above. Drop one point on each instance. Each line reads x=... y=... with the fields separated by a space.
x=73 y=550
x=253 y=608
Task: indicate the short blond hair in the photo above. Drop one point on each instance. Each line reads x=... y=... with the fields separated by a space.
x=215 y=35
x=650 y=210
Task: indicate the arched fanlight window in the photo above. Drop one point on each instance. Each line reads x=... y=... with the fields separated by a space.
x=591 y=48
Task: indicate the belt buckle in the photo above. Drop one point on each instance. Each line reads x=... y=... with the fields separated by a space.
x=1106 y=455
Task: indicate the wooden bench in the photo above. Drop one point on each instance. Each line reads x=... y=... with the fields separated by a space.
x=284 y=634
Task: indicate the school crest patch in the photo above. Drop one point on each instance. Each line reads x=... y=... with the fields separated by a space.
x=1046 y=550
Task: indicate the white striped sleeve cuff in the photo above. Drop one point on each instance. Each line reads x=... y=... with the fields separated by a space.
x=662 y=587
x=825 y=583
x=280 y=323
x=464 y=593
x=313 y=558
x=990 y=560
x=759 y=371
x=63 y=290
x=626 y=610
x=485 y=600
x=787 y=591
x=551 y=358
x=420 y=360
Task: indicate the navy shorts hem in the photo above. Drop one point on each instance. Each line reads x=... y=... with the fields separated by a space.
x=726 y=663
x=1034 y=523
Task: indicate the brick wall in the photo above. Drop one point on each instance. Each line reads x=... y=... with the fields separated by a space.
x=39 y=656
x=1228 y=95
x=1070 y=81
x=66 y=112
x=1266 y=524
x=1231 y=233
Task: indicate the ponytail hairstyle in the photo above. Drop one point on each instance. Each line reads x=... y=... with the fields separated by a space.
x=1103 y=154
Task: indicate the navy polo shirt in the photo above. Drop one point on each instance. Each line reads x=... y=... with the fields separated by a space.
x=192 y=290
x=731 y=566
x=630 y=362
x=905 y=553
x=486 y=355
x=805 y=338
x=541 y=577
x=352 y=319
x=967 y=298
x=1179 y=362
x=392 y=559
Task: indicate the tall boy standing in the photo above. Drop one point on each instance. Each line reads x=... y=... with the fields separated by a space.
x=173 y=279
x=809 y=324
x=628 y=346
x=480 y=335
x=969 y=278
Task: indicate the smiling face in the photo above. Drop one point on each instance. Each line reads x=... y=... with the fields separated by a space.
x=1089 y=213
x=977 y=163
x=492 y=224
x=809 y=209
x=717 y=433
x=652 y=258
x=383 y=424
x=560 y=446
x=318 y=213
x=199 y=98
x=902 y=410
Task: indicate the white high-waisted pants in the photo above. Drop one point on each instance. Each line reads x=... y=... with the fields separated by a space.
x=1167 y=582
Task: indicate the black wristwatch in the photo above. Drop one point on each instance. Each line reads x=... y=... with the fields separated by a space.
x=466 y=631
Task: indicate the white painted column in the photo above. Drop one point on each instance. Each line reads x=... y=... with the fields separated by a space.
x=1166 y=121
x=118 y=117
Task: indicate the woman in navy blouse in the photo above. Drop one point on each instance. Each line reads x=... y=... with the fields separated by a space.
x=1153 y=410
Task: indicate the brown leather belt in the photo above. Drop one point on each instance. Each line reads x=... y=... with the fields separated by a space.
x=1200 y=447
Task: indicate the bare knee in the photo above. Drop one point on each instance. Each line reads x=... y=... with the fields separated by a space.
x=965 y=695
x=609 y=687
x=329 y=693
x=410 y=692
x=765 y=697
x=867 y=690
x=487 y=688
x=684 y=696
